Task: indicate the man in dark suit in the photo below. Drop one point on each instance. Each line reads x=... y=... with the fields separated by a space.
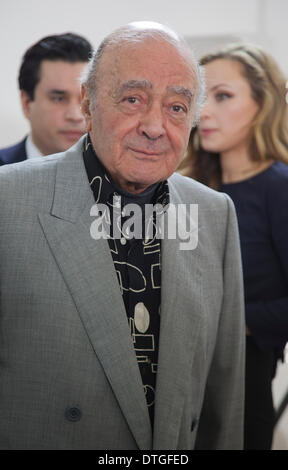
x=50 y=96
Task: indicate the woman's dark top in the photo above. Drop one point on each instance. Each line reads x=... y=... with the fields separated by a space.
x=261 y=204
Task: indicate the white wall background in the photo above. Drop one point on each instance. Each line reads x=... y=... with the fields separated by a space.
x=23 y=22
x=203 y=22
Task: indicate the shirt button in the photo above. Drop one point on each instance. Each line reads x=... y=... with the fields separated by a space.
x=123 y=241
x=73 y=414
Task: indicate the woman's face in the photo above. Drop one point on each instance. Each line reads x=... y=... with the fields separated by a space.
x=229 y=110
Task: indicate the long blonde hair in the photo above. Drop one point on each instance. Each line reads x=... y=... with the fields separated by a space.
x=269 y=130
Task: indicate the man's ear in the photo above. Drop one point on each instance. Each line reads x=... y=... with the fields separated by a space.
x=26 y=103
x=85 y=107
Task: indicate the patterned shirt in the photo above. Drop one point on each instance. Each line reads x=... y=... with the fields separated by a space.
x=137 y=261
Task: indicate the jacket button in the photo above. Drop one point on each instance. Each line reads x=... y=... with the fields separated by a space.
x=194 y=424
x=73 y=414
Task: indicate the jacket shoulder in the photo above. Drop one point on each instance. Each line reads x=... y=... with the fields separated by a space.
x=25 y=180
x=13 y=154
x=189 y=190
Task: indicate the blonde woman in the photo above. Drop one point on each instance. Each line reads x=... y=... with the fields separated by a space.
x=240 y=147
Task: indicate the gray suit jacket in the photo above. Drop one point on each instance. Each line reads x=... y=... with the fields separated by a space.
x=69 y=378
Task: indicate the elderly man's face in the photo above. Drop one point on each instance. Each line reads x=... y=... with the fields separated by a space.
x=144 y=112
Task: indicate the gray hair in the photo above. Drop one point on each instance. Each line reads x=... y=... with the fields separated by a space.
x=137 y=32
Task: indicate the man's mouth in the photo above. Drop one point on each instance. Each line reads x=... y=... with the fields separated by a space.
x=72 y=134
x=148 y=153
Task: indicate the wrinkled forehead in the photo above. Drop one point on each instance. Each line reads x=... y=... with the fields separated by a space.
x=148 y=56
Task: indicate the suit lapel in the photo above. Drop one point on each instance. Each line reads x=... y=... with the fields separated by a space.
x=88 y=270
x=181 y=295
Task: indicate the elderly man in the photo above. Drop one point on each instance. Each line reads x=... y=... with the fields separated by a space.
x=50 y=96
x=121 y=342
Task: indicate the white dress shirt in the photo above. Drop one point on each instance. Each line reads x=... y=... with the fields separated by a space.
x=31 y=150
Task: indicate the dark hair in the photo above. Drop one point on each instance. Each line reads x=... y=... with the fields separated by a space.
x=68 y=47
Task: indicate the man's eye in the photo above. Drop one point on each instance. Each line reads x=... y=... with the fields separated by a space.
x=57 y=99
x=132 y=99
x=176 y=108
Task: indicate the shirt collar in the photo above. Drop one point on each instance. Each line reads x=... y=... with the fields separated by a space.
x=31 y=150
x=104 y=188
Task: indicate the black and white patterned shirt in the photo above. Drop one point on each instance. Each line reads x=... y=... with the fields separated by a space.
x=137 y=263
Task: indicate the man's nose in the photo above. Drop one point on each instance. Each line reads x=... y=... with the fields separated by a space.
x=151 y=123
x=73 y=112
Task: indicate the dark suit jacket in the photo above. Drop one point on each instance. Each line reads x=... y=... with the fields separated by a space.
x=15 y=153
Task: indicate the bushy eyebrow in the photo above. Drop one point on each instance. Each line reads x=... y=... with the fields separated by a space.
x=146 y=84
x=57 y=92
x=136 y=84
x=131 y=85
x=182 y=91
